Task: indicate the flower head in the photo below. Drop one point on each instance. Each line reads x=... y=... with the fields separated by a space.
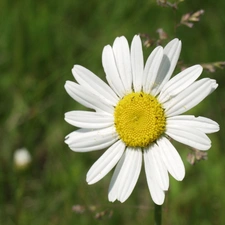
x=22 y=158
x=136 y=115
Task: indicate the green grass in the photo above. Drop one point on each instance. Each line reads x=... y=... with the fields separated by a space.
x=40 y=41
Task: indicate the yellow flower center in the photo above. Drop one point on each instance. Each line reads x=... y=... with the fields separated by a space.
x=139 y=119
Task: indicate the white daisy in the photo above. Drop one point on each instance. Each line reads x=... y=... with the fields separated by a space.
x=137 y=114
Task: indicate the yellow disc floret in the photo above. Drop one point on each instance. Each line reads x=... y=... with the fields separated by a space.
x=139 y=119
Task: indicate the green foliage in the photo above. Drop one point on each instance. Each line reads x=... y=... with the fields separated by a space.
x=40 y=41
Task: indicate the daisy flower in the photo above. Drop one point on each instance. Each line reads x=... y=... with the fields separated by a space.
x=136 y=114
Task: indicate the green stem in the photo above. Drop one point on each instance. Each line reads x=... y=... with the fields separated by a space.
x=158 y=214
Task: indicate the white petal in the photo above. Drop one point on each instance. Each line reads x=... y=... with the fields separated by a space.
x=180 y=82
x=171 y=158
x=203 y=124
x=125 y=175
x=157 y=194
x=94 y=84
x=190 y=97
x=151 y=69
x=96 y=147
x=137 y=63
x=86 y=119
x=122 y=57
x=156 y=191
x=83 y=140
x=168 y=64
x=106 y=162
x=188 y=135
x=112 y=74
x=86 y=98
x=157 y=169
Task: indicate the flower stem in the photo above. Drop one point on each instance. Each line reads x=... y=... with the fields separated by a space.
x=158 y=214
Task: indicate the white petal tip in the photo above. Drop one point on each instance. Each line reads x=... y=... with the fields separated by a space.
x=66 y=140
x=90 y=182
x=122 y=200
x=159 y=200
x=75 y=70
x=181 y=174
x=175 y=41
x=111 y=199
x=136 y=39
x=180 y=178
x=74 y=67
x=159 y=203
x=68 y=85
x=215 y=86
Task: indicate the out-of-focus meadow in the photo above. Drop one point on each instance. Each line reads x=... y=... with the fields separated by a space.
x=40 y=41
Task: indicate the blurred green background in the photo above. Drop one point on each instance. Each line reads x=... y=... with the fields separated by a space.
x=40 y=41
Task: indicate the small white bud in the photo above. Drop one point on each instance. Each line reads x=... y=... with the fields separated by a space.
x=22 y=158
